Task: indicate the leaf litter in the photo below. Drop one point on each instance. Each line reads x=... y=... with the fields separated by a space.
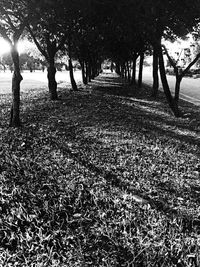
x=99 y=179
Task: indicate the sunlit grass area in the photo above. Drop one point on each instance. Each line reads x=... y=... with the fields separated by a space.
x=36 y=79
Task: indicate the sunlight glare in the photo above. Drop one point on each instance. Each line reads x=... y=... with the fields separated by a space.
x=22 y=46
x=4 y=46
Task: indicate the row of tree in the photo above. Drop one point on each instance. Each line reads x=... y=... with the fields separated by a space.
x=92 y=30
x=32 y=60
x=27 y=62
x=143 y=26
x=57 y=27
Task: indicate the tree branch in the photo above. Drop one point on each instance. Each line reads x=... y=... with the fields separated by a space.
x=182 y=74
x=190 y=65
x=62 y=42
x=42 y=51
x=4 y=34
x=170 y=58
x=9 y=21
x=18 y=32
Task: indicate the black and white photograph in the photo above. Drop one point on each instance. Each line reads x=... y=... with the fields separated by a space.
x=99 y=133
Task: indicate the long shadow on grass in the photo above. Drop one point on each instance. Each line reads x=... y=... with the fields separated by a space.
x=114 y=179
x=77 y=111
x=126 y=112
x=62 y=123
x=155 y=112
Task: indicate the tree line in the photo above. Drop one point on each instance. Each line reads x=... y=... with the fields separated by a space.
x=93 y=30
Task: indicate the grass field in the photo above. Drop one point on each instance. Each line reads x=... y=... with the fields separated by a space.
x=102 y=177
x=34 y=80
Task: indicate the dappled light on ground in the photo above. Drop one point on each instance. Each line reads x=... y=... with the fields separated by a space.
x=101 y=178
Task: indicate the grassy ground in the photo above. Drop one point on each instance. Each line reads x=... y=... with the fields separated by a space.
x=103 y=177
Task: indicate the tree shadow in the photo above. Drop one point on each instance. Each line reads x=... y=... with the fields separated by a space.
x=77 y=112
x=154 y=109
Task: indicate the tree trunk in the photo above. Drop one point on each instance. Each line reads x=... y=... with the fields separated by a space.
x=112 y=67
x=118 y=68
x=123 y=70
x=71 y=73
x=88 y=72
x=173 y=105
x=93 y=70
x=155 y=73
x=16 y=80
x=140 y=70
x=128 y=71
x=51 y=75
x=133 y=78
x=84 y=78
x=177 y=89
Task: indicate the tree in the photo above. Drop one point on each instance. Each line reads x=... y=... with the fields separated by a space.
x=87 y=39
x=179 y=74
x=11 y=29
x=155 y=86
x=124 y=37
x=47 y=33
x=169 y=20
x=6 y=60
x=31 y=58
x=71 y=72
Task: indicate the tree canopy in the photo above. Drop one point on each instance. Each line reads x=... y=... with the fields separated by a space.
x=91 y=31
